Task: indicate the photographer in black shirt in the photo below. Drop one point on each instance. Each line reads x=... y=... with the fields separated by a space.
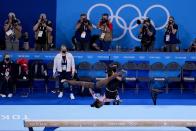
x=147 y=35
x=83 y=33
x=170 y=37
x=43 y=33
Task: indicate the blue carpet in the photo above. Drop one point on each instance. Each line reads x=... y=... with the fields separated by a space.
x=129 y=97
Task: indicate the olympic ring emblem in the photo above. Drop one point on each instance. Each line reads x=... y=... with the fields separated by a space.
x=132 y=24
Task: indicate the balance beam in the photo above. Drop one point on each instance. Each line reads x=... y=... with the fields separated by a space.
x=191 y=124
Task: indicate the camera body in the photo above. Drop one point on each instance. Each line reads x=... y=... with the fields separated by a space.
x=14 y=20
x=84 y=21
x=169 y=27
x=42 y=20
x=144 y=24
x=104 y=21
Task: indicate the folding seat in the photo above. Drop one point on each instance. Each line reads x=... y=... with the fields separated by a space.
x=143 y=74
x=131 y=75
x=189 y=74
x=173 y=74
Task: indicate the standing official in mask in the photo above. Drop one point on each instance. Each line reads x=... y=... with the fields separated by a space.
x=64 y=68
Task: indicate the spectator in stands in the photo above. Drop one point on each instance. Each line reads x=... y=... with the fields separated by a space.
x=147 y=35
x=64 y=68
x=7 y=76
x=83 y=33
x=43 y=33
x=12 y=28
x=106 y=28
x=170 y=37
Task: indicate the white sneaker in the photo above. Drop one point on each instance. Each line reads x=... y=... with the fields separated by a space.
x=60 y=95
x=10 y=95
x=2 y=95
x=72 y=97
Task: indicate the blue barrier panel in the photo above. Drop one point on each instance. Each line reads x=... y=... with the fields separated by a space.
x=94 y=57
x=124 y=15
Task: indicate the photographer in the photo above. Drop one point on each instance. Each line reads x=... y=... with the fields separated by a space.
x=43 y=33
x=106 y=28
x=12 y=30
x=147 y=35
x=170 y=37
x=83 y=33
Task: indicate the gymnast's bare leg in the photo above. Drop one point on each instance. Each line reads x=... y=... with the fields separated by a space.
x=98 y=84
x=108 y=97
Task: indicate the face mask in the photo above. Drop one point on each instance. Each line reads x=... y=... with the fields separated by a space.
x=7 y=59
x=63 y=52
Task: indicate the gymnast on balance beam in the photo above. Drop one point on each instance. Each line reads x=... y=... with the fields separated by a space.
x=111 y=83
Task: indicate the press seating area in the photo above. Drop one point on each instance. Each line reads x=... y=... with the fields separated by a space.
x=137 y=74
x=176 y=71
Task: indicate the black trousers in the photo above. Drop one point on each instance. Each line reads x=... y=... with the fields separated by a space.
x=6 y=86
x=147 y=47
x=82 y=45
x=64 y=75
x=172 y=48
x=41 y=44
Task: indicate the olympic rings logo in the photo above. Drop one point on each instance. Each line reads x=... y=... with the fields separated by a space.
x=129 y=27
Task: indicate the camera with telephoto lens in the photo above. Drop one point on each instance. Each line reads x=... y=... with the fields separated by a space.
x=85 y=21
x=42 y=19
x=171 y=22
x=144 y=25
x=143 y=21
x=14 y=20
x=104 y=21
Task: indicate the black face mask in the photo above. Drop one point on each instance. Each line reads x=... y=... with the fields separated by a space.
x=63 y=52
x=7 y=59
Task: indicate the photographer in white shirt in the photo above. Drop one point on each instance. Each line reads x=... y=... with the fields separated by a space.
x=12 y=28
x=64 y=68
